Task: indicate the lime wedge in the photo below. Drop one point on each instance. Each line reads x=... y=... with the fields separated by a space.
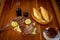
x=14 y=24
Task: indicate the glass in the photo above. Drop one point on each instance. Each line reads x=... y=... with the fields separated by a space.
x=25 y=14
x=18 y=12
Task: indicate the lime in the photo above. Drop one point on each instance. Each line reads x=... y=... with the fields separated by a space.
x=14 y=24
x=27 y=21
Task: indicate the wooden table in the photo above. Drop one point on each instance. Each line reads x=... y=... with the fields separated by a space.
x=9 y=12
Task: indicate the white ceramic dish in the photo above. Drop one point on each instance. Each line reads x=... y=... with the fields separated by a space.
x=47 y=38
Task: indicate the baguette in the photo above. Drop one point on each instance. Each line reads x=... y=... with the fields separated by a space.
x=44 y=14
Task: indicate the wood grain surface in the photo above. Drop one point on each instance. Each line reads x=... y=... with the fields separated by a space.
x=9 y=12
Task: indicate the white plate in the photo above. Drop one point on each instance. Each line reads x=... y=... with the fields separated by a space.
x=47 y=38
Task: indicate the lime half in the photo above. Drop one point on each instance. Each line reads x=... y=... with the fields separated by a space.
x=27 y=21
